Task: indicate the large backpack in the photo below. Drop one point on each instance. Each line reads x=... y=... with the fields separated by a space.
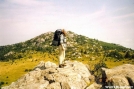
x=56 y=38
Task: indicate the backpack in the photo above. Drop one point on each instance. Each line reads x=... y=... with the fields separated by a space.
x=56 y=38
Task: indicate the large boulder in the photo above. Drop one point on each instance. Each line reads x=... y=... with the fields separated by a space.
x=48 y=75
x=119 y=77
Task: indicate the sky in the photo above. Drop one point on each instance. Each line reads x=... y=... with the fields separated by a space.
x=110 y=21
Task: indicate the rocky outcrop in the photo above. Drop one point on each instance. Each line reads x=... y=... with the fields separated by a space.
x=119 y=77
x=74 y=75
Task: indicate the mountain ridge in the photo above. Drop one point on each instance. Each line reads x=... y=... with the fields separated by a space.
x=78 y=44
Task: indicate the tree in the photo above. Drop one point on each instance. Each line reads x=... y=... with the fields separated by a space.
x=127 y=55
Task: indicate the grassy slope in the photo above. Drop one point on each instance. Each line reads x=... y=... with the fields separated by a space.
x=110 y=62
x=11 y=71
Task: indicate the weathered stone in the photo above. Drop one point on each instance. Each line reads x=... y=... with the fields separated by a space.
x=74 y=75
x=120 y=76
x=41 y=65
x=95 y=86
x=50 y=65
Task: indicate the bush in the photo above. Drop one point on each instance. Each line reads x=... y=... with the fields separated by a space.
x=97 y=71
x=115 y=54
x=98 y=66
x=127 y=55
x=1 y=83
x=28 y=70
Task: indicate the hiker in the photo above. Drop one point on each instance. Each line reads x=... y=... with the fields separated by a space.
x=60 y=40
x=62 y=48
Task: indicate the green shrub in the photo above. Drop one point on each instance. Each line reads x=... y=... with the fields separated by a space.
x=97 y=71
x=115 y=54
x=28 y=70
x=1 y=83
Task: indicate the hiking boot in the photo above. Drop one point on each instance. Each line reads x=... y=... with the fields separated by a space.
x=61 y=65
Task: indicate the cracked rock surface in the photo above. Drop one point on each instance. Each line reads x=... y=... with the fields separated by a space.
x=48 y=75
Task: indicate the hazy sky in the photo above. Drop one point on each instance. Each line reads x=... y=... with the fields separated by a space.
x=107 y=20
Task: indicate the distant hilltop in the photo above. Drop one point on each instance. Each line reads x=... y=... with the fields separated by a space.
x=78 y=46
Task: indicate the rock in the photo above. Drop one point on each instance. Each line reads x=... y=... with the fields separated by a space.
x=42 y=65
x=121 y=76
x=75 y=75
x=55 y=85
x=94 y=86
x=48 y=75
x=50 y=64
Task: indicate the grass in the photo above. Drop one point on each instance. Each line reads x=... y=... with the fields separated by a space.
x=110 y=62
x=11 y=71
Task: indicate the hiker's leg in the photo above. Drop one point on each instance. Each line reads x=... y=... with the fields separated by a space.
x=61 y=57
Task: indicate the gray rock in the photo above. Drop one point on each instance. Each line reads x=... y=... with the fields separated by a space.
x=74 y=75
x=94 y=86
x=119 y=77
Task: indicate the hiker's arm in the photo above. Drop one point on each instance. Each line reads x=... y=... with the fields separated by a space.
x=61 y=39
x=61 y=42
